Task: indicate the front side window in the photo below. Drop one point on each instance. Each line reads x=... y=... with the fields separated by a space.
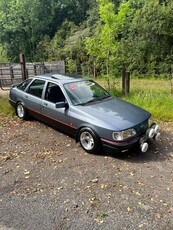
x=54 y=93
x=22 y=86
x=83 y=92
x=36 y=88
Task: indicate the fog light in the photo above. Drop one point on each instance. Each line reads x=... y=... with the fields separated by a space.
x=151 y=133
x=156 y=128
x=144 y=147
x=156 y=137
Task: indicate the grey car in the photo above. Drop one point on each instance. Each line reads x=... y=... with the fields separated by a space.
x=83 y=109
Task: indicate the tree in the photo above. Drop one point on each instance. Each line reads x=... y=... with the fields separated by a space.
x=105 y=45
x=150 y=36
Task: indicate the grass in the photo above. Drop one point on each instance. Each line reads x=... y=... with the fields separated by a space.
x=151 y=94
x=5 y=108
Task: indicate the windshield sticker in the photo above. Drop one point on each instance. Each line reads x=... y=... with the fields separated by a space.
x=73 y=86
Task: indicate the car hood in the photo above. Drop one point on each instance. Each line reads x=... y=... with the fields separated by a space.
x=116 y=113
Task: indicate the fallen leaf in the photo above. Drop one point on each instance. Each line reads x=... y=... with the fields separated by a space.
x=129 y=209
x=94 y=180
x=104 y=186
x=158 y=216
x=140 y=203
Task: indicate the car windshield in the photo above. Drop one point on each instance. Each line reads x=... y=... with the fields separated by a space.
x=83 y=92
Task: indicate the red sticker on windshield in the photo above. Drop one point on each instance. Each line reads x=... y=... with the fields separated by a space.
x=73 y=87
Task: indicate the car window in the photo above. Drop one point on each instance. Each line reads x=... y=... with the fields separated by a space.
x=36 y=88
x=54 y=93
x=22 y=86
x=85 y=91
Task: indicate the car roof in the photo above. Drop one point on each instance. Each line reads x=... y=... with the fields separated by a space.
x=60 y=78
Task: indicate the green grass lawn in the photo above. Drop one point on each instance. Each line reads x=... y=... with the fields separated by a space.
x=5 y=108
x=151 y=94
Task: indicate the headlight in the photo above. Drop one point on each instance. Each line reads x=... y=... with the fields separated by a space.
x=123 y=135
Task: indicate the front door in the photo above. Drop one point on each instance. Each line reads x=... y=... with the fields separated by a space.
x=57 y=117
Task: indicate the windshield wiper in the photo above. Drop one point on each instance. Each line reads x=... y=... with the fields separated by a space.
x=95 y=99
x=104 y=97
x=90 y=101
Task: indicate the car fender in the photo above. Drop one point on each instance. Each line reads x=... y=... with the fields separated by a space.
x=85 y=125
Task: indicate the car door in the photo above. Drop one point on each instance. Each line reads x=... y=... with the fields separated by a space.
x=33 y=97
x=57 y=117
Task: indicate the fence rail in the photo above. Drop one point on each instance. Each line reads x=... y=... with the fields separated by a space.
x=11 y=73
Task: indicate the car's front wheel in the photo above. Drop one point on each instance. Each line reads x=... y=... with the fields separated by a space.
x=21 y=111
x=89 y=141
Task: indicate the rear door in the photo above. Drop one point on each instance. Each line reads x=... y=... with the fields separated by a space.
x=33 y=97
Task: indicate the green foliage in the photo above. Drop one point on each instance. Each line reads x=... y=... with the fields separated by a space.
x=3 y=54
x=131 y=35
x=105 y=44
x=24 y=25
x=71 y=66
x=134 y=35
x=5 y=108
x=150 y=37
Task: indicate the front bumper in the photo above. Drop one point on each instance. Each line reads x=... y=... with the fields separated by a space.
x=141 y=140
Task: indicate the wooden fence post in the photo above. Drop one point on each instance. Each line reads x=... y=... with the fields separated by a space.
x=125 y=82
x=35 y=70
x=23 y=66
x=11 y=72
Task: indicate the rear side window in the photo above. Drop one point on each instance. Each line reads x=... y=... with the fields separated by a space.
x=36 y=88
x=22 y=86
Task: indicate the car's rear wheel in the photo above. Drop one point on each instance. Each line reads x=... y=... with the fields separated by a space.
x=89 y=141
x=21 y=111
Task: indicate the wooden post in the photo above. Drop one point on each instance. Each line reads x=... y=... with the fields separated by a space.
x=23 y=66
x=125 y=82
x=35 y=70
x=11 y=72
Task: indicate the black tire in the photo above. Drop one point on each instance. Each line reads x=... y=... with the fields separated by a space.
x=21 y=111
x=89 y=141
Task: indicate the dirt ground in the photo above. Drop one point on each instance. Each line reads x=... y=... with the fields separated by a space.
x=47 y=182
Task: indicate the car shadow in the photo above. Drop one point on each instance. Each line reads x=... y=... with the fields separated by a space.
x=159 y=151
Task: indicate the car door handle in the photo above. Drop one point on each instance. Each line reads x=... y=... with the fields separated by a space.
x=45 y=104
x=26 y=96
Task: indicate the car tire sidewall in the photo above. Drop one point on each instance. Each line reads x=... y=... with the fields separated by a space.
x=96 y=140
x=23 y=114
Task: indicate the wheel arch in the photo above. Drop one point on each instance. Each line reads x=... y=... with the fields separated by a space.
x=25 y=112
x=86 y=126
x=17 y=102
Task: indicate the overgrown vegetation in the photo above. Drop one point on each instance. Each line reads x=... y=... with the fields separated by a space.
x=150 y=94
x=153 y=95
x=5 y=108
x=114 y=35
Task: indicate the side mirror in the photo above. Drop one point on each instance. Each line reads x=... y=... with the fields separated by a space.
x=61 y=104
